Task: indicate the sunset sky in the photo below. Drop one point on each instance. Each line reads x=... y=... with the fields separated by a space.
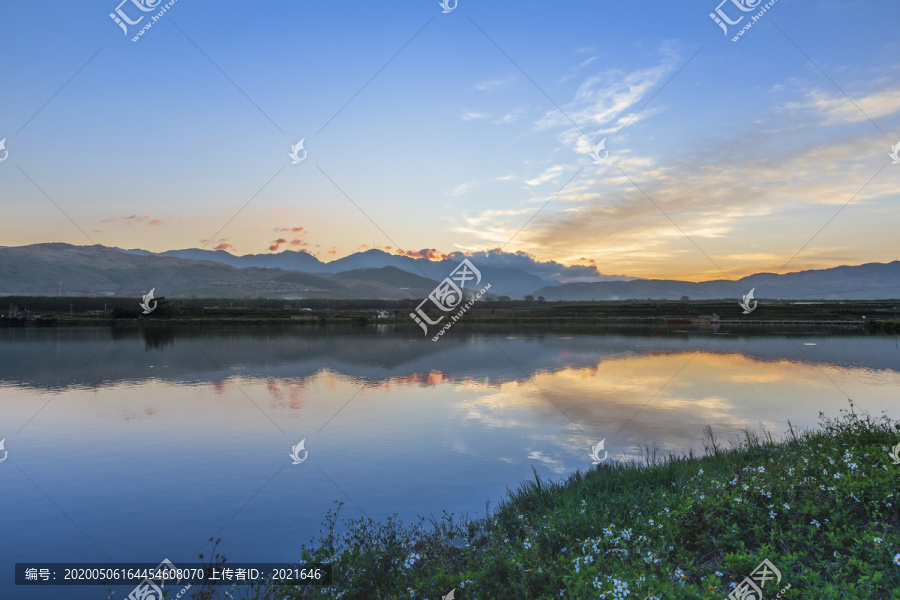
x=464 y=131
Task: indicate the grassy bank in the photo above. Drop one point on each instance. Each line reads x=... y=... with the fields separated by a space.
x=879 y=316
x=821 y=505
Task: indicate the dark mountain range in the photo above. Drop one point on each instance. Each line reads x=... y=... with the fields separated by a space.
x=510 y=274
x=289 y=260
x=51 y=269
x=872 y=281
x=388 y=275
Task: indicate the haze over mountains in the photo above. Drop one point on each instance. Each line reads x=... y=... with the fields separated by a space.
x=56 y=268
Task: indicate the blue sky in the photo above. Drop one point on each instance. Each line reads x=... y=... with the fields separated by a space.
x=440 y=131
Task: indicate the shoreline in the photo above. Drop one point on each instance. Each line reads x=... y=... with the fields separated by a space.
x=820 y=506
x=713 y=315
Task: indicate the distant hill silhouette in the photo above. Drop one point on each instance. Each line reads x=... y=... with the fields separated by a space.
x=872 y=281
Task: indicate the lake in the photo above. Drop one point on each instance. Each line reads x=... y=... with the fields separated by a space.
x=138 y=445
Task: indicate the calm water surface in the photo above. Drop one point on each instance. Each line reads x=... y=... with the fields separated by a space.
x=140 y=445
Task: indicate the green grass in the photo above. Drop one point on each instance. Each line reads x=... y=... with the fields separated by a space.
x=822 y=505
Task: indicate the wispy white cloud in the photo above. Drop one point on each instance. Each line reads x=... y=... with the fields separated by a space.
x=463 y=188
x=610 y=96
x=494 y=84
x=512 y=116
x=573 y=71
x=549 y=174
x=586 y=62
x=471 y=115
x=836 y=108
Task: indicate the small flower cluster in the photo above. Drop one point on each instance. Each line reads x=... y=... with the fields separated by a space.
x=582 y=561
x=411 y=560
x=619 y=589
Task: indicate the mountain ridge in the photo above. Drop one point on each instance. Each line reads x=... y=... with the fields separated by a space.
x=869 y=281
x=54 y=267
